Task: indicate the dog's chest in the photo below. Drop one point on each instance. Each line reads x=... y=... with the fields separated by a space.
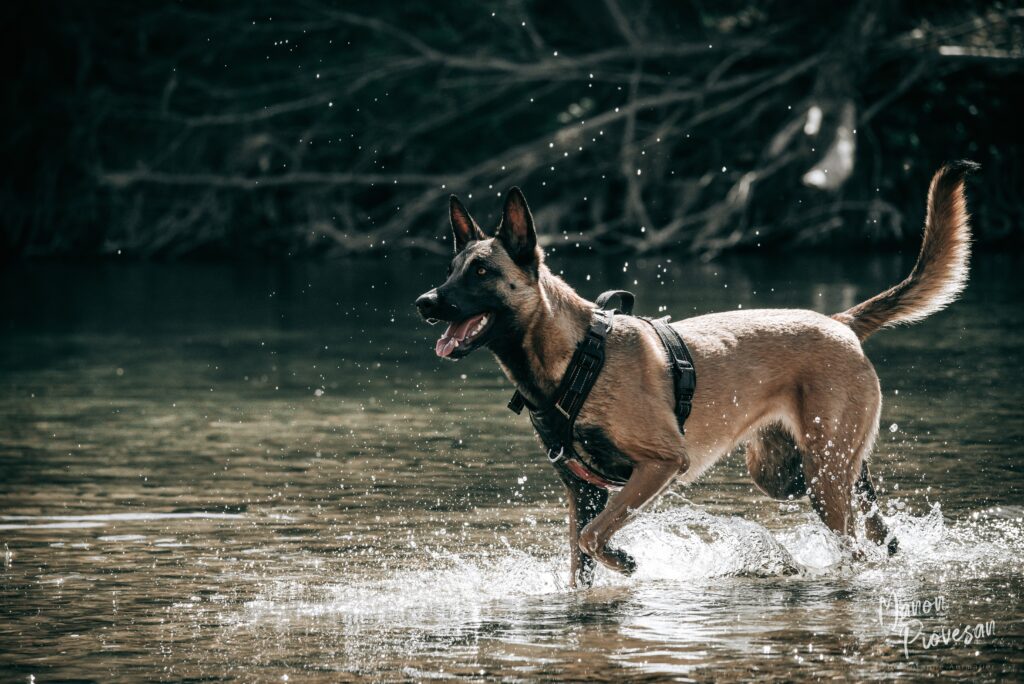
x=590 y=444
x=599 y=452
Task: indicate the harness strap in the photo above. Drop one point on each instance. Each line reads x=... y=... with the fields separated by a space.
x=582 y=472
x=587 y=361
x=555 y=422
x=684 y=377
x=580 y=374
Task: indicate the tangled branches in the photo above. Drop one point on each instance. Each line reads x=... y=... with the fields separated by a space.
x=319 y=129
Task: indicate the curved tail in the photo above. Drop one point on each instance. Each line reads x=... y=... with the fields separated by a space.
x=940 y=273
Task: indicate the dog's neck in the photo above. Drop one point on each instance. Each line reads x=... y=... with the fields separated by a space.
x=536 y=356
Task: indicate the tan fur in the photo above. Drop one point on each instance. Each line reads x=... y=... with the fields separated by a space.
x=552 y=315
x=793 y=368
x=794 y=382
x=941 y=270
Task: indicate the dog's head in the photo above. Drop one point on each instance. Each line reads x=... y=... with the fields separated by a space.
x=492 y=284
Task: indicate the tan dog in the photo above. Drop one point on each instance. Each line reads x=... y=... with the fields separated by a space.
x=793 y=384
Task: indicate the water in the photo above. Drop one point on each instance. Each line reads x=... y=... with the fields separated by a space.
x=260 y=471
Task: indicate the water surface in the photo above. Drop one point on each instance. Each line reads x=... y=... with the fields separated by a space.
x=258 y=471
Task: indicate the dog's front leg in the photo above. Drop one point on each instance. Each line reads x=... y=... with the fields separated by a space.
x=585 y=503
x=647 y=481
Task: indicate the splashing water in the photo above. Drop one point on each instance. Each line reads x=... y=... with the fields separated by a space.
x=702 y=577
x=678 y=544
x=204 y=480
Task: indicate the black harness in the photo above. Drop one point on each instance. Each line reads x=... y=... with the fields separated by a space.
x=555 y=421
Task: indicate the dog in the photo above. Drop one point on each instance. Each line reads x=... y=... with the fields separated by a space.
x=793 y=385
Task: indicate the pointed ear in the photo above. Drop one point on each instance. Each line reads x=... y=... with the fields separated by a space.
x=516 y=231
x=463 y=225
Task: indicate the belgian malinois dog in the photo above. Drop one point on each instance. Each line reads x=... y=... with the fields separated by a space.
x=793 y=385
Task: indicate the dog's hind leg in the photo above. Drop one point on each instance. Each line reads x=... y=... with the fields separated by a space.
x=837 y=429
x=585 y=502
x=648 y=480
x=873 y=523
x=829 y=485
x=775 y=463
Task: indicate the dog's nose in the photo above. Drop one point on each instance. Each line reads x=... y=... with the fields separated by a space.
x=426 y=303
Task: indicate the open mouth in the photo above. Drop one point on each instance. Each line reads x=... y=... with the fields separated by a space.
x=463 y=337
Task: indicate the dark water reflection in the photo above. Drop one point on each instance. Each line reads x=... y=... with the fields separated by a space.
x=257 y=471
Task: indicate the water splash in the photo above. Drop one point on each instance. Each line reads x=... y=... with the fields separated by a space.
x=678 y=544
x=450 y=588
x=688 y=543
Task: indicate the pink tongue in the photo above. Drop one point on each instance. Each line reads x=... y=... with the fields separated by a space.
x=456 y=332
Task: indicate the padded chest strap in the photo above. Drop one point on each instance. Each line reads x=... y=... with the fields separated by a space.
x=580 y=376
x=554 y=421
x=585 y=364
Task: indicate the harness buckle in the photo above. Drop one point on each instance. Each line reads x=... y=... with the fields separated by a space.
x=557 y=458
x=517 y=403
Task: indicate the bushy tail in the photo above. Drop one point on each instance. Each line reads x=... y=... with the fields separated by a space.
x=940 y=273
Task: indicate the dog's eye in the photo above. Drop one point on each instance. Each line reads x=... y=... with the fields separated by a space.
x=481 y=271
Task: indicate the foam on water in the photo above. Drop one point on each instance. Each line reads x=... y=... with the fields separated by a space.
x=455 y=587
x=688 y=543
x=684 y=543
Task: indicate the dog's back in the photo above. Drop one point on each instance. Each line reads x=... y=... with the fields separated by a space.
x=793 y=384
x=761 y=367
x=797 y=386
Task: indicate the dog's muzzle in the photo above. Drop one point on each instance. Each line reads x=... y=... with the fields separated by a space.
x=427 y=305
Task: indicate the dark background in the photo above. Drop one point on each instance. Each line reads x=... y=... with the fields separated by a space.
x=197 y=129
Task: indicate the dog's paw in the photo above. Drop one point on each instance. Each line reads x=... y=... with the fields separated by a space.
x=625 y=562
x=582 y=578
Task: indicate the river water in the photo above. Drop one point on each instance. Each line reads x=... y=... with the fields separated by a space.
x=261 y=472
